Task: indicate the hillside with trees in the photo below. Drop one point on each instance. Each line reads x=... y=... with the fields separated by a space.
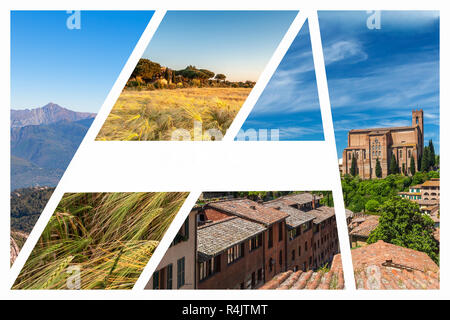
x=368 y=195
x=149 y=75
x=27 y=205
x=401 y=223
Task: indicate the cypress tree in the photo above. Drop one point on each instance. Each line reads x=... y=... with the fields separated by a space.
x=378 y=170
x=432 y=154
x=393 y=166
x=412 y=166
x=353 y=167
x=424 y=166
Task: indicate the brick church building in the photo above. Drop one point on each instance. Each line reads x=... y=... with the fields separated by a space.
x=368 y=145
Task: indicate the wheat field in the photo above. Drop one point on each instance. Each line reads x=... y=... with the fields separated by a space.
x=154 y=115
x=108 y=238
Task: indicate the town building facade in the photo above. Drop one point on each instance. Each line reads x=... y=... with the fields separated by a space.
x=243 y=244
x=369 y=145
x=177 y=268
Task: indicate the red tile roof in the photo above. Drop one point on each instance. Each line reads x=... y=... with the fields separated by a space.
x=333 y=279
x=377 y=266
x=437 y=234
x=383 y=265
x=322 y=213
x=251 y=210
x=366 y=227
x=382 y=129
x=296 y=198
x=431 y=183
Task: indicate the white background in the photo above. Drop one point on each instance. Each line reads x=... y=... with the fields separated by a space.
x=208 y=166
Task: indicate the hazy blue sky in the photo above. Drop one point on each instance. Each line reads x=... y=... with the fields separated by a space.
x=73 y=68
x=290 y=100
x=236 y=43
x=375 y=77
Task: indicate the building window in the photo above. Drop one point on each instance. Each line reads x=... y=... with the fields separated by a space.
x=280 y=231
x=315 y=228
x=208 y=268
x=169 y=276
x=280 y=258
x=255 y=242
x=409 y=153
x=156 y=280
x=299 y=251
x=292 y=234
x=235 y=253
x=259 y=275
x=306 y=226
x=293 y=255
x=183 y=233
x=306 y=246
x=270 y=237
x=270 y=264
x=180 y=272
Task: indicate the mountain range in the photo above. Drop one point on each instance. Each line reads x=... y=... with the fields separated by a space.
x=43 y=141
x=50 y=113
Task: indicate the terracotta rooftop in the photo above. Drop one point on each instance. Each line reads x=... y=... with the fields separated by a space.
x=348 y=213
x=322 y=213
x=216 y=237
x=431 y=183
x=368 y=224
x=400 y=145
x=381 y=129
x=296 y=217
x=386 y=266
x=251 y=210
x=290 y=280
x=296 y=198
x=437 y=234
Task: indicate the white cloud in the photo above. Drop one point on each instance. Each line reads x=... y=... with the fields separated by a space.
x=344 y=50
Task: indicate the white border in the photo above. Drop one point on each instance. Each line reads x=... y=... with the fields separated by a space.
x=305 y=185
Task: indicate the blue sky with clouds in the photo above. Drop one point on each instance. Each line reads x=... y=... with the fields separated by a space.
x=73 y=68
x=236 y=43
x=290 y=101
x=375 y=77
